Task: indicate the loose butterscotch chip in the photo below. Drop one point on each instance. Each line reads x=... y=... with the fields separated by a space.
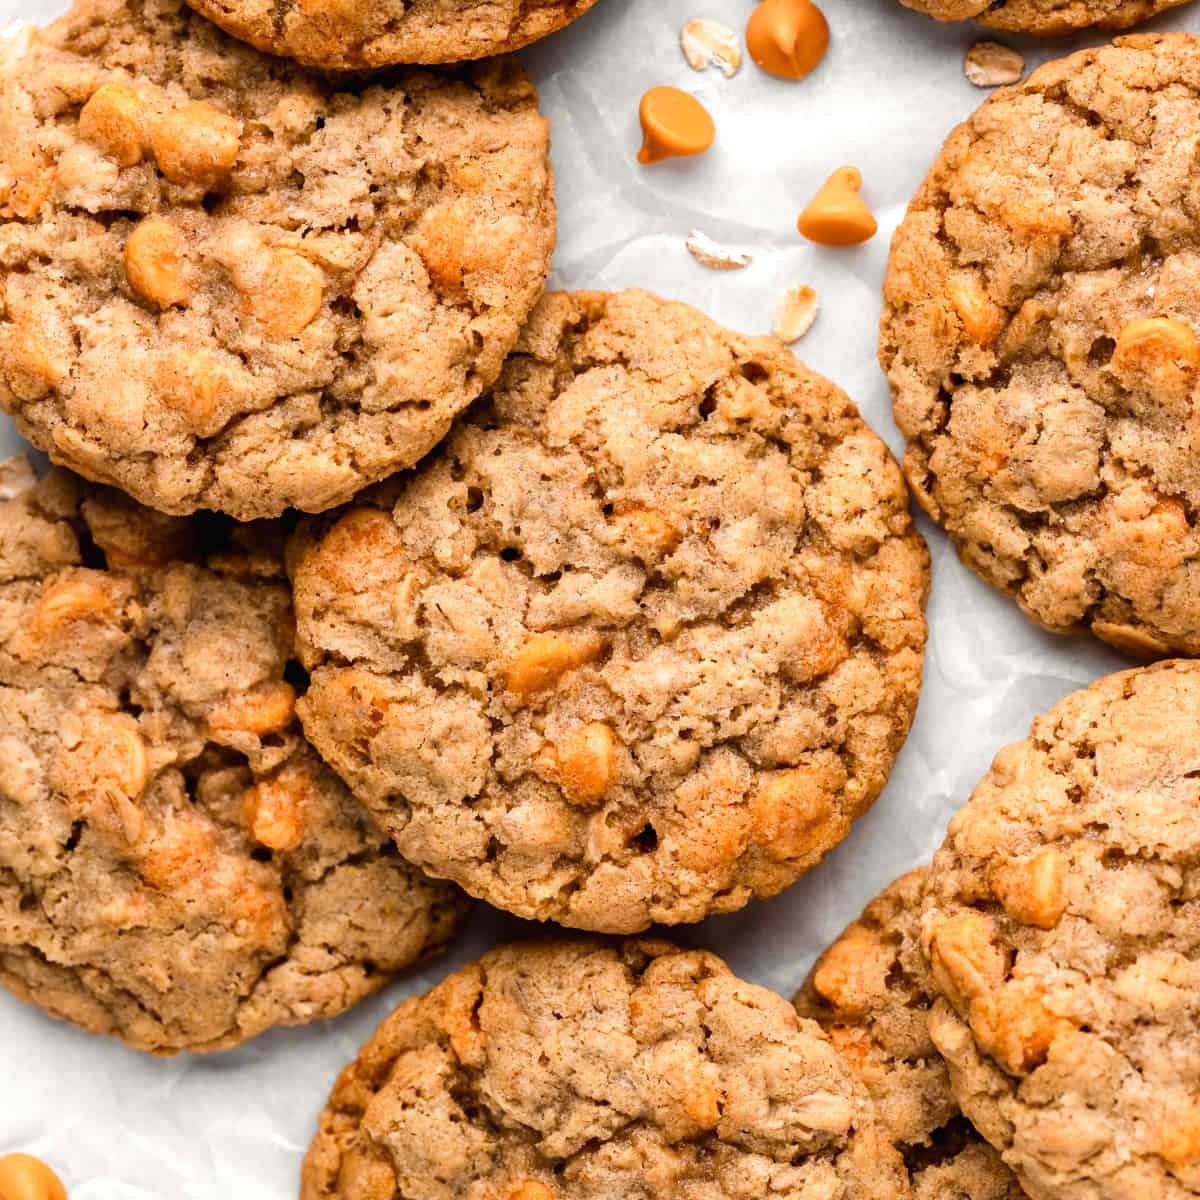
x=674 y=125
x=1060 y=922
x=787 y=38
x=837 y=215
x=293 y=281
x=639 y=642
x=165 y=828
x=569 y=1038
x=23 y=1177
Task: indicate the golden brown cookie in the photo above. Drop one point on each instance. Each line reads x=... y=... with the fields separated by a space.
x=1045 y=18
x=871 y=994
x=378 y=33
x=583 y=1070
x=178 y=869
x=1062 y=922
x=232 y=283
x=1041 y=333
x=642 y=639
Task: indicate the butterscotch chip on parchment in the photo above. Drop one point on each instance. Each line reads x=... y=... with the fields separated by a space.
x=871 y=994
x=378 y=33
x=229 y=282
x=584 y=1070
x=178 y=868
x=1046 y=18
x=1041 y=334
x=1062 y=925
x=640 y=642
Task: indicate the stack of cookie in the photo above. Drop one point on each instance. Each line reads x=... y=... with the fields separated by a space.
x=385 y=581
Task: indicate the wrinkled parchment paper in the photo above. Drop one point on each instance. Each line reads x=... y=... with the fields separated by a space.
x=119 y=1125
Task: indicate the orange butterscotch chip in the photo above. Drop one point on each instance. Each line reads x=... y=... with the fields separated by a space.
x=543 y=660
x=837 y=215
x=274 y=809
x=647 y=533
x=792 y=810
x=196 y=144
x=1179 y=1136
x=1033 y=892
x=982 y=319
x=114 y=120
x=530 y=1189
x=674 y=125
x=586 y=764
x=964 y=956
x=787 y=38
x=23 y=1177
x=287 y=295
x=1014 y=1025
x=156 y=263
x=267 y=708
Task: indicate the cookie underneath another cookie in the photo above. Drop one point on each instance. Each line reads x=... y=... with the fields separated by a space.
x=1062 y=920
x=587 y=1071
x=236 y=284
x=378 y=33
x=1042 y=338
x=1046 y=18
x=870 y=992
x=178 y=869
x=640 y=641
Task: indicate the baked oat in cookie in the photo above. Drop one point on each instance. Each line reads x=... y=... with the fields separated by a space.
x=1040 y=335
x=642 y=639
x=871 y=994
x=590 y=1071
x=1046 y=18
x=1062 y=921
x=227 y=282
x=178 y=868
x=376 y=33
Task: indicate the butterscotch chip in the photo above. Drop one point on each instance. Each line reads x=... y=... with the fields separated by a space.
x=1046 y=18
x=231 y=282
x=378 y=33
x=871 y=993
x=640 y=642
x=181 y=871
x=573 y=1070
x=1077 y=864
x=1042 y=340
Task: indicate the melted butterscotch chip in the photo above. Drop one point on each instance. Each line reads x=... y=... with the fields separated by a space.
x=575 y=1070
x=230 y=282
x=640 y=642
x=1062 y=925
x=180 y=869
x=1041 y=335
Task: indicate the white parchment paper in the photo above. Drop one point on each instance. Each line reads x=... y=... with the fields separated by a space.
x=118 y=1125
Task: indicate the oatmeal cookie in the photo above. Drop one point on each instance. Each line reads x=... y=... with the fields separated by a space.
x=870 y=992
x=355 y=34
x=585 y=1071
x=642 y=639
x=1040 y=337
x=227 y=282
x=1062 y=922
x=1045 y=18
x=178 y=869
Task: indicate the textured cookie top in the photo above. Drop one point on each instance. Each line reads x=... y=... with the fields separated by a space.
x=1062 y=920
x=1040 y=336
x=1045 y=17
x=230 y=283
x=378 y=33
x=177 y=868
x=640 y=641
x=583 y=1071
x=870 y=992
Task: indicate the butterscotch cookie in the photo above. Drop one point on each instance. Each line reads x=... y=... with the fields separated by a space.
x=178 y=869
x=1045 y=18
x=642 y=639
x=1040 y=337
x=378 y=33
x=580 y=1070
x=228 y=282
x=1062 y=921
x=870 y=992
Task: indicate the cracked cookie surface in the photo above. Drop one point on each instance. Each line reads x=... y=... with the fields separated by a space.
x=228 y=282
x=178 y=868
x=641 y=640
x=1046 y=18
x=589 y=1071
x=871 y=994
x=1040 y=338
x=1062 y=924
x=344 y=34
